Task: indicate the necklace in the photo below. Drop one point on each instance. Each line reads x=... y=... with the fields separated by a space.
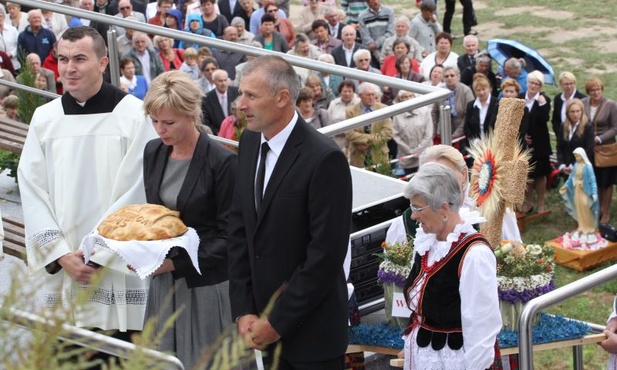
x=425 y=266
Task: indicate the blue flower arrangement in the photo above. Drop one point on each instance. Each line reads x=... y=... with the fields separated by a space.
x=551 y=328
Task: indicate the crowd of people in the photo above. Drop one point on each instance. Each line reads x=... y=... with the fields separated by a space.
x=281 y=228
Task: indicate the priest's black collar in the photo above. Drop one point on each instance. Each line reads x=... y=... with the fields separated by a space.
x=104 y=101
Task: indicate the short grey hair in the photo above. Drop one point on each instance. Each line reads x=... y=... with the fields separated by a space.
x=437 y=185
x=443 y=152
x=471 y=38
x=137 y=35
x=449 y=68
x=359 y=53
x=327 y=58
x=238 y=20
x=483 y=57
x=278 y=73
x=33 y=12
x=366 y=86
x=218 y=72
x=403 y=19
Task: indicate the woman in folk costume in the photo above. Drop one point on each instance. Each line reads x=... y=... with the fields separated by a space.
x=452 y=287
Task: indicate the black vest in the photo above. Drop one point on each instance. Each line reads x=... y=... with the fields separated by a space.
x=440 y=301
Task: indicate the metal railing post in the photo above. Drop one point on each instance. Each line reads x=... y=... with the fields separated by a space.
x=445 y=125
x=114 y=63
x=577 y=357
x=525 y=344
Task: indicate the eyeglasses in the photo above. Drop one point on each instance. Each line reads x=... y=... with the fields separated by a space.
x=125 y=8
x=364 y=60
x=273 y=10
x=415 y=209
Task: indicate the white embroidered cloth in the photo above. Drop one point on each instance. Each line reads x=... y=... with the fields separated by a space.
x=144 y=256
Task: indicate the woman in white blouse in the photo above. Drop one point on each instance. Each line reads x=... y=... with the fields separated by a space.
x=337 y=108
x=412 y=131
x=481 y=113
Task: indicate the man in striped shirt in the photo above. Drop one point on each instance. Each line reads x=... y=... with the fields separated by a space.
x=376 y=24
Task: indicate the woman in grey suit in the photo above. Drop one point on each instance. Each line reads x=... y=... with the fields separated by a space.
x=185 y=171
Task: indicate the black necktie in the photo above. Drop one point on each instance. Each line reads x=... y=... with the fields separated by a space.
x=261 y=174
x=367 y=128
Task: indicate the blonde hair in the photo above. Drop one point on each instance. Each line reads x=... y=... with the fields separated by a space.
x=178 y=92
x=567 y=76
x=593 y=82
x=580 y=130
x=446 y=152
x=10 y=102
x=480 y=81
x=536 y=76
x=159 y=38
x=439 y=152
x=190 y=53
x=203 y=51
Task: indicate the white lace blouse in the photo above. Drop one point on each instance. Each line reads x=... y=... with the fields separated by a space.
x=480 y=315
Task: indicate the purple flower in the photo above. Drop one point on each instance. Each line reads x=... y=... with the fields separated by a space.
x=526 y=295
x=391 y=277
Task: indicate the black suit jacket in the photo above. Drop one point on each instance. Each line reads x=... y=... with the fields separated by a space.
x=565 y=147
x=339 y=30
x=463 y=62
x=227 y=12
x=138 y=6
x=472 y=119
x=213 y=114
x=204 y=202
x=298 y=239
x=557 y=106
x=538 y=128
x=339 y=55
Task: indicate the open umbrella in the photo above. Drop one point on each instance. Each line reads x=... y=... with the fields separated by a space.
x=503 y=49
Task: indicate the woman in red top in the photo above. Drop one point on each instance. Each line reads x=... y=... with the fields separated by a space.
x=282 y=25
x=172 y=58
x=400 y=47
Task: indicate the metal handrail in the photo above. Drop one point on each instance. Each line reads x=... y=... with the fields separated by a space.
x=433 y=94
x=532 y=307
x=32 y=90
x=90 y=339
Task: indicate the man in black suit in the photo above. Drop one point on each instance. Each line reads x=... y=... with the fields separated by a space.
x=216 y=105
x=343 y=54
x=335 y=27
x=230 y=9
x=138 y=6
x=296 y=237
x=468 y=60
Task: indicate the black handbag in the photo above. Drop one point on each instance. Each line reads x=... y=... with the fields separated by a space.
x=608 y=232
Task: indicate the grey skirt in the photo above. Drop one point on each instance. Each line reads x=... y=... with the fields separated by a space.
x=205 y=314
